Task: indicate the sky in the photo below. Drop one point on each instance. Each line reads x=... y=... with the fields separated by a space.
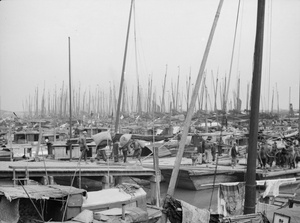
x=168 y=33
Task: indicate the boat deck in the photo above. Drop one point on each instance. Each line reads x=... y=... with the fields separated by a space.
x=203 y=176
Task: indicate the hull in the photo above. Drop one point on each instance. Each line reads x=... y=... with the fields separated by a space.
x=200 y=180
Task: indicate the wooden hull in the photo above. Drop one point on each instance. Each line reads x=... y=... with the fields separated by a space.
x=200 y=180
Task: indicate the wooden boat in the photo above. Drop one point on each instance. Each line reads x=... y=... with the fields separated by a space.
x=121 y=201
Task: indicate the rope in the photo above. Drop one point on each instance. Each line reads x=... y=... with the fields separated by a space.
x=72 y=181
x=236 y=25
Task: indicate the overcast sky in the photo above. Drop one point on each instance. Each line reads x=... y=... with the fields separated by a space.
x=34 y=45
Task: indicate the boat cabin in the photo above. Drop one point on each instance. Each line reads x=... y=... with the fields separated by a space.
x=26 y=137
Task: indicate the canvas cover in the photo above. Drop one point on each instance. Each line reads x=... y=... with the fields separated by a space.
x=231 y=199
x=124 y=139
x=39 y=191
x=102 y=136
x=191 y=213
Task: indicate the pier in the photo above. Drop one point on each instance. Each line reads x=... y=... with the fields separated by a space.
x=106 y=173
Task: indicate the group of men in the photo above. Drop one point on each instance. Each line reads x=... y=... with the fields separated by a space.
x=203 y=147
x=132 y=145
x=287 y=156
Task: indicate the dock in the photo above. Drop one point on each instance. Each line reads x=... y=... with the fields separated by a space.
x=103 y=172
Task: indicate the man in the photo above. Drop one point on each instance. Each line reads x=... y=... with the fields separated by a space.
x=220 y=142
x=137 y=148
x=263 y=155
x=234 y=153
x=213 y=151
x=49 y=146
x=125 y=149
x=83 y=146
x=197 y=142
x=101 y=151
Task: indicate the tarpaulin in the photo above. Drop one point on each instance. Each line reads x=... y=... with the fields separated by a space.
x=231 y=199
x=102 y=136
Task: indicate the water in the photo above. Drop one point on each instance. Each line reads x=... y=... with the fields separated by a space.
x=208 y=199
x=205 y=199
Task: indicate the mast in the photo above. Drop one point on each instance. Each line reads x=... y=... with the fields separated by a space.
x=299 y=111
x=70 y=95
x=238 y=106
x=247 y=103
x=272 y=103
x=175 y=171
x=250 y=189
x=188 y=91
x=123 y=73
x=163 y=93
x=177 y=88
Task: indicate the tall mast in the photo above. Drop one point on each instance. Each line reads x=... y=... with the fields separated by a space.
x=70 y=94
x=299 y=110
x=250 y=190
x=188 y=86
x=163 y=93
x=123 y=73
x=238 y=96
x=175 y=171
x=177 y=88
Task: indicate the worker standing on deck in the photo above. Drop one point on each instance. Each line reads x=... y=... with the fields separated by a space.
x=220 y=142
x=271 y=153
x=125 y=150
x=137 y=150
x=116 y=146
x=234 y=153
x=49 y=146
x=83 y=146
x=196 y=141
x=263 y=155
x=213 y=151
x=101 y=151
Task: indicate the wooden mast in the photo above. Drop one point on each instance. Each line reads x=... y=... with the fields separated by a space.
x=250 y=189
x=177 y=88
x=175 y=171
x=70 y=95
x=123 y=73
x=188 y=87
x=299 y=111
x=163 y=108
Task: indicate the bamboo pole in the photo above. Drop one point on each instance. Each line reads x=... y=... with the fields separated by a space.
x=192 y=105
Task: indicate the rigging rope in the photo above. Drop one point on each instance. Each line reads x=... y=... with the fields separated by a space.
x=32 y=202
x=236 y=25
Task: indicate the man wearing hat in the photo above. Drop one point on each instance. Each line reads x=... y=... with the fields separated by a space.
x=83 y=146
